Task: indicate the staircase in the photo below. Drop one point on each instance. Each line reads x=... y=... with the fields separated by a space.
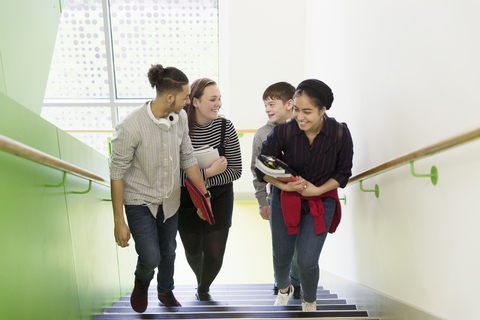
x=246 y=301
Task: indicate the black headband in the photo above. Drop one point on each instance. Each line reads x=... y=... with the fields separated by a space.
x=318 y=90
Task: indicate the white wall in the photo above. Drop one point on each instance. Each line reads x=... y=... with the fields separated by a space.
x=261 y=42
x=405 y=75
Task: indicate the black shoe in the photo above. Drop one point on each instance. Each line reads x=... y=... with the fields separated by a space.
x=297 y=294
x=203 y=296
x=275 y=289
x=139 y=297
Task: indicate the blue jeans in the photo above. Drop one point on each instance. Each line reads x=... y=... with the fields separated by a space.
x=294 y=275
x=155 y=243
x=307 y=244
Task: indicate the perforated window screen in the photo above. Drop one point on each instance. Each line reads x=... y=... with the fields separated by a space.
x=180 y=33
x=79 y=64
x=125 y=37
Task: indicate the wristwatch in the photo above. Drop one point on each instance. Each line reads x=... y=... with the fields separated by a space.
x=207 y=195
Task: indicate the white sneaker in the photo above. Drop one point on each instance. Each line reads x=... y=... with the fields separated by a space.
x=309 y=306
x=282 y=299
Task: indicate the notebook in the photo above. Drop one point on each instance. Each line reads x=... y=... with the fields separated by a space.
x=200 y=201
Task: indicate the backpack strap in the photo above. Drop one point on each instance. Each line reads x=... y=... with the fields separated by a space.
x=288 y=135
x=339 y=137
x=221 y=147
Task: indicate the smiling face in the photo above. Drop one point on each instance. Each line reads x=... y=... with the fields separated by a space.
x=277 y=111
x=208 y=105
x=308 y=116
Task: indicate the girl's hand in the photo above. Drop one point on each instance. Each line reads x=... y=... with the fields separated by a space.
x=295 y=185
x=217 y=167
x=308 y=189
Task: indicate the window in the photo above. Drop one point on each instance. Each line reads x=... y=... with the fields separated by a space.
x=104 y=49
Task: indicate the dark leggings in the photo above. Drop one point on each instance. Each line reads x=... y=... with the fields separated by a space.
x=204 y=254
x=205 y=244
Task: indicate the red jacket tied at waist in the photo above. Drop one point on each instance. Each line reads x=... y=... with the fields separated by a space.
x=292 y=207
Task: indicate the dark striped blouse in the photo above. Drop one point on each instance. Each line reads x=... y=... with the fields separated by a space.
x=210 y=134
x=318 y=163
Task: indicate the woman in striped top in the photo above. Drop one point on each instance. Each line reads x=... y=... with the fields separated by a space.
x=205 y=244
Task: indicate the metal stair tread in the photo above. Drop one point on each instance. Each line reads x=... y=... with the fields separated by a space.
x=227 y=308
x=267 y=302
x=236 y=315
x=233 y=302
x=230 y=298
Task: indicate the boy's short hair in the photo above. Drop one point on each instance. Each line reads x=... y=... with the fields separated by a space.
x=279 y=91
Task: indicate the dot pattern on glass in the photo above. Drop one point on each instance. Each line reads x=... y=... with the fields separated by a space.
x=83 y=118
x=79 y=118
x=179 y=33
x=79 y=66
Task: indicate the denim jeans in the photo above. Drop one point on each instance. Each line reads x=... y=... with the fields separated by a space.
x=155 y=243
x=307 y=244
x=294 y=273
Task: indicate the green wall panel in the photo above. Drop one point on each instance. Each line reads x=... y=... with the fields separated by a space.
x=79 y=154
x=37 y=257
x=3 y=87
x=25 y=126
x=59 y=258
x=37 y=266
x=91 y=225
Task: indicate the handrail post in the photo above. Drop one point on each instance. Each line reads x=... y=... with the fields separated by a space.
x=58 y=185
x=433 y=173
x=344 y=199
x=376 y=190
x=83 y=192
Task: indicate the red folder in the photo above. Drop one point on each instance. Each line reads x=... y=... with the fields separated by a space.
x=200 y=201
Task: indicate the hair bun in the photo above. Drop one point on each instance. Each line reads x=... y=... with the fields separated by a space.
x=155 y=74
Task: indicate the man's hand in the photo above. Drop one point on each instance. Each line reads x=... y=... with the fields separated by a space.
x=122 y=234
x=199 y=212
x=264 y=212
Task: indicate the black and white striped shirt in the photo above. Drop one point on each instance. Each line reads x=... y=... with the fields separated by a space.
x=210 y=134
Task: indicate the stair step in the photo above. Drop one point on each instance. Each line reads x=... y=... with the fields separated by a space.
x=192 y=291
x=126 y=303
x=229 y=298
x=236 y=287
x=216 y=308
x=244 y=301
x=353 y=314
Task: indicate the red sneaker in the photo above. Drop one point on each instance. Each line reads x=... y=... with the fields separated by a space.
x=168 y=299
x=139 y=297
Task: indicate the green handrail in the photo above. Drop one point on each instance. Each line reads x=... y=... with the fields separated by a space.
x=414 y=156
x=19 y=149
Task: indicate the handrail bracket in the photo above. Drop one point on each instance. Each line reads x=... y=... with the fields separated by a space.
x=83 y=192
x=433 y=173
x=58 y=185
x=376 y=190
